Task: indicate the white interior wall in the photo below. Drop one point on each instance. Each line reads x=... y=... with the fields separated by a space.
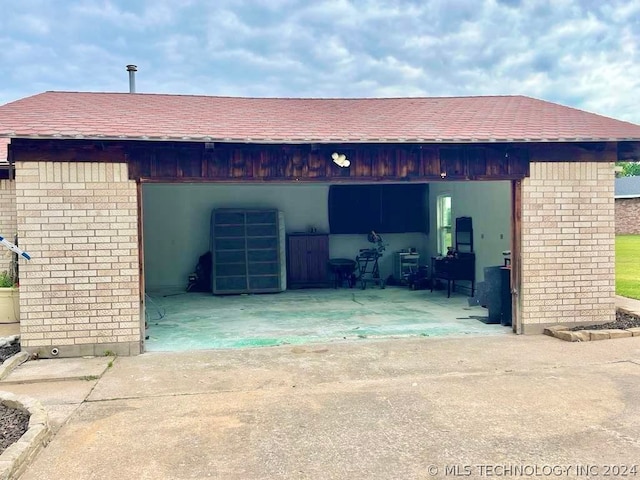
x=347 y=246
x=489 y=206
x=177 y=225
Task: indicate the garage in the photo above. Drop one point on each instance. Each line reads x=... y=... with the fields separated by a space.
x=316 y=305
x=113 y=194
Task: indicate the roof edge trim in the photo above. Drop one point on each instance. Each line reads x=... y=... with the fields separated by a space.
x=312 y=141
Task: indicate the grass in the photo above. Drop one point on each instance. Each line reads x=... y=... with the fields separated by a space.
x=628 y=266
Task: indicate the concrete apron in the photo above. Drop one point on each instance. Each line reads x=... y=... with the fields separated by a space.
x=406 y=408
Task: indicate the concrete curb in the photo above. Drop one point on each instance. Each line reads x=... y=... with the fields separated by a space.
x=626 y=310
x=16 y=458
x=11 y=363
x=562 y=332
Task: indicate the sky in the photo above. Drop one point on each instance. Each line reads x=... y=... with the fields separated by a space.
x=579 y=53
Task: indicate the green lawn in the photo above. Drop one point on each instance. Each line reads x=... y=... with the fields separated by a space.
x=628 y=266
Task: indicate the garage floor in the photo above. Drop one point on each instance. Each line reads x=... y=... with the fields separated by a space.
x=189 y=321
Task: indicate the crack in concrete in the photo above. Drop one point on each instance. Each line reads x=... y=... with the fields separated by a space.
x=354 y=382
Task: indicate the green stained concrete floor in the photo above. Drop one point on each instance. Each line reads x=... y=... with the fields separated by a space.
x=202 y=321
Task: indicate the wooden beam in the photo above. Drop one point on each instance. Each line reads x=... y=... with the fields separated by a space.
x=516 y=255
x=573 y=152
x=628 y=152
x=177 y=161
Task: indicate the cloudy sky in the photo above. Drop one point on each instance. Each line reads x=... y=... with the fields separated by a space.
x=581 y=53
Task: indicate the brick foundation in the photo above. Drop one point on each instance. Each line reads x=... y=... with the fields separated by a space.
x=80 y=291
x=627 y=216
x=568 y=245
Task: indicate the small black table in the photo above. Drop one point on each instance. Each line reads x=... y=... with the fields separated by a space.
x=452 y=269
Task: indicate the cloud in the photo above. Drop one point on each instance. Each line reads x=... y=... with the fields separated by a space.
x=136 y=19
x=581 y=53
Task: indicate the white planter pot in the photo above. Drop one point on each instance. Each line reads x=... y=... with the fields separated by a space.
x=9 y=305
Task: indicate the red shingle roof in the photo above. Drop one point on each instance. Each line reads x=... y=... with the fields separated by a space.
x=293 y=120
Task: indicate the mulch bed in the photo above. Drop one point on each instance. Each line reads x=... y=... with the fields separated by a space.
x=13 y=424
x=8 y=351
x=623 y=321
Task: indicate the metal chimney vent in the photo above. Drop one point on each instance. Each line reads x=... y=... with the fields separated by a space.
x=132 y=69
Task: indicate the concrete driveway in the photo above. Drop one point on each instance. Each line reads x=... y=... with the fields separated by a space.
x=506 y=406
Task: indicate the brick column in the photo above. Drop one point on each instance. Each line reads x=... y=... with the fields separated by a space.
x=568 y=245
x=80 y=291
x=8 y=225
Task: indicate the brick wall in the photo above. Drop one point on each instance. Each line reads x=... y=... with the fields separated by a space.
x=7 y=219
x=80 y=291
x=627 y=216
x=568 y=248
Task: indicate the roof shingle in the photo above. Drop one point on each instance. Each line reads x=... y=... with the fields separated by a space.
x=297 y=120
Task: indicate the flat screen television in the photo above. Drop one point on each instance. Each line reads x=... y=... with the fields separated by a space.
x=384 y=208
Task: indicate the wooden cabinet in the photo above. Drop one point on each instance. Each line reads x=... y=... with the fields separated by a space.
x=307 y=260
